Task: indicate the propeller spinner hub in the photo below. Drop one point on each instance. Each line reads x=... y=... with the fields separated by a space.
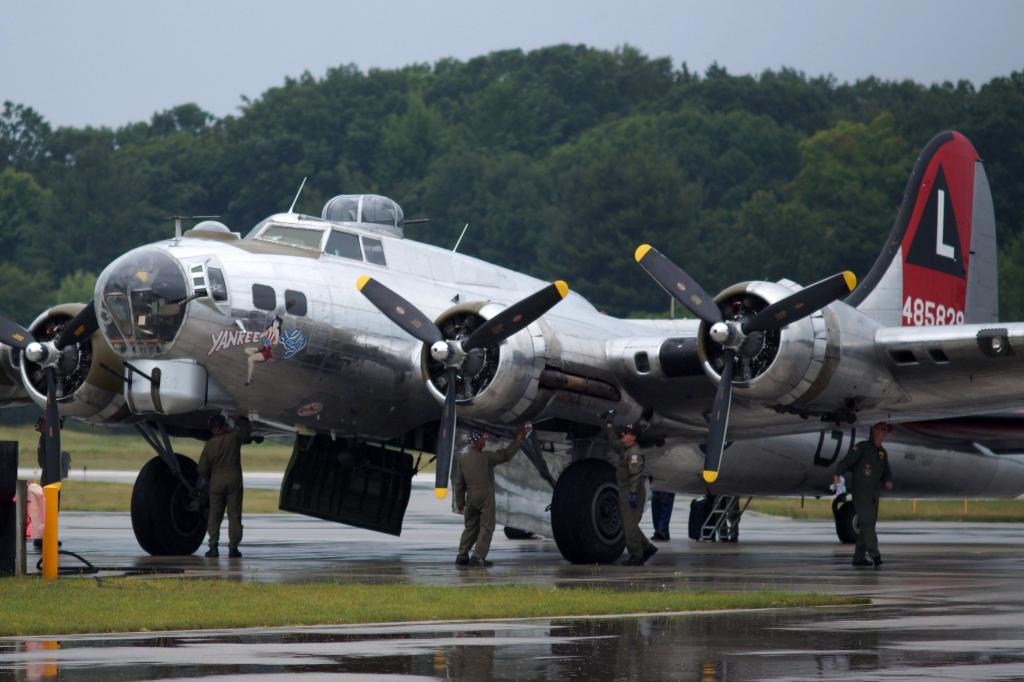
x=719 y=332
x=441 y=351
x=39 y=353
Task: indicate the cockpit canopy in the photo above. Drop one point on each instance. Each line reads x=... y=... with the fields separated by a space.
x=372 y=211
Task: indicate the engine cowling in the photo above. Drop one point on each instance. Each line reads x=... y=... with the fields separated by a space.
x=506 y=388
x=12 y=393
x=84 y=388
x=784 y=366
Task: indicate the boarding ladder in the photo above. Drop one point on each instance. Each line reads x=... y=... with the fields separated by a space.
x=722 y=523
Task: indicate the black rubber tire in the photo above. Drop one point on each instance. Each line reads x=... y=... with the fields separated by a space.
x=165 y=518
x=518 y=534
x=847 y=525
x=698 y=513
x=585 y=513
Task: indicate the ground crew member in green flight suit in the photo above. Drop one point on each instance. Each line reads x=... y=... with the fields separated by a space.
x=220 y=466
x=474 y=494
x=629 y=474
x=868 y=463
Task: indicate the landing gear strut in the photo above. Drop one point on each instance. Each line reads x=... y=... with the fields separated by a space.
x=168 y=509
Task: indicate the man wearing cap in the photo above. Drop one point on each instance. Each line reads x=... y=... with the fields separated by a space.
x=632 y=494
x=868 y=463
x=474 y=494
x=220 y=466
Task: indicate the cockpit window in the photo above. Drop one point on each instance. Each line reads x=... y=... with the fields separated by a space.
x=144 y=295
x=302 y=237
x=344 y=244
x=374 y=251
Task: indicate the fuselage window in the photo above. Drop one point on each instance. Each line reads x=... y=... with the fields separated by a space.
x=263 y=297
x=218 y=289
x=374 y=251
x=294 y=302
x=344 y=244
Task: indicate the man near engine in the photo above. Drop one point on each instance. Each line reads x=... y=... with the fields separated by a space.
x=474 y=494
x=632 y=493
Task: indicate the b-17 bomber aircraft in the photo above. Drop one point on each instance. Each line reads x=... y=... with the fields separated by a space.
x=373 y=349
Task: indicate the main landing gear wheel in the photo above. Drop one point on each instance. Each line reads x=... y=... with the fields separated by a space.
x=167 y=519
x=847 y=523
x=585 y=513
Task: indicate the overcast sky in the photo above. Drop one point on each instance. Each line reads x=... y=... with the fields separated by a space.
x=105 y=62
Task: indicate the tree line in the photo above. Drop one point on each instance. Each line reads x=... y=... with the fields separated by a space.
x=562 y=160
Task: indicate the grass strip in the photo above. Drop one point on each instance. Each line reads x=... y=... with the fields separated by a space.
x=89 y=496
x=33 y=607
x=900 y=510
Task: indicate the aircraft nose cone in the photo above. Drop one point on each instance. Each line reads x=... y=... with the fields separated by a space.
x=142 y=298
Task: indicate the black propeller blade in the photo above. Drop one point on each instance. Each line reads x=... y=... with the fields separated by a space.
x=719 y=423
x=51 y=462
x=14 y=335
x=517 y=316
x=805 y=302
x=400 y=311
x=80 y=327
x=446 y=437
x=677 y=283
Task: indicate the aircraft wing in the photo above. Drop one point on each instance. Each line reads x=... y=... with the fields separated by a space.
x=956 y=369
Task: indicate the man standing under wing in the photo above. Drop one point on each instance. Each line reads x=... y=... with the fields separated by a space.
x=220 y=466
x=474 y=494
x=869 y=464
x=629 y=474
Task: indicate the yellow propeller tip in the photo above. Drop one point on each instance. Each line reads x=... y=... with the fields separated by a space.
x=440 y=493
x=850 y=279
x=563 y=288
x=361 y=282
x=710 y=476
x=641 y=251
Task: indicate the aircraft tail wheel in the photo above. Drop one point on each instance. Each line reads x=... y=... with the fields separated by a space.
x=847 y=526
x=165 y=517
x=585 y=513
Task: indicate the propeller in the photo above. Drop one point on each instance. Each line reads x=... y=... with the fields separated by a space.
x=47 y=354
x=737 y=337
x=461 y=357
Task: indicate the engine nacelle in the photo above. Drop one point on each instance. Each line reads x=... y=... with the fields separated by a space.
x=799 y=368
x=84 y=388
x=780 y=366
x=506 y=388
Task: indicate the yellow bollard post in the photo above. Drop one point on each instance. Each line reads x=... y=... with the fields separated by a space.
x=51 y=495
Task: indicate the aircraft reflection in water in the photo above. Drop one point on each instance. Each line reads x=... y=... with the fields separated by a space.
x=371 y=349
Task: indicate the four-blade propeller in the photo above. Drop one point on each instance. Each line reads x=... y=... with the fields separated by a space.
x=47 y=355
x=459 y=356
x=731 y=334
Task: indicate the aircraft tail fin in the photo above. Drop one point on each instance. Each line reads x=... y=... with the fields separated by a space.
x=939 y=263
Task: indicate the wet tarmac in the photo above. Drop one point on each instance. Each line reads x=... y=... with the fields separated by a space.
x=948 y=605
